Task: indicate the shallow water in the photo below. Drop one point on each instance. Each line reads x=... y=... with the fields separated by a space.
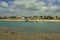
x=31 y=26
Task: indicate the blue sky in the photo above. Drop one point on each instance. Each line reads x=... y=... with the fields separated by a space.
x=29 y=7
x=54 y=2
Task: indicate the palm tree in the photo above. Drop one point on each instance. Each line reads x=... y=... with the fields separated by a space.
x=56 y=17
x=12 y=17
x=41 y=17
x=5 y=17
x=45 y=17
x=0 y=17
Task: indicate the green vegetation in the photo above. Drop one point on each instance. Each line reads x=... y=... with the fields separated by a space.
x=31 y=17
x=12 y=17
x=3 y=17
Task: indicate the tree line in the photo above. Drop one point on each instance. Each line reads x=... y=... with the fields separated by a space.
x=29 y=17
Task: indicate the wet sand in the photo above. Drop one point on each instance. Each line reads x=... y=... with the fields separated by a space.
x=8 y=34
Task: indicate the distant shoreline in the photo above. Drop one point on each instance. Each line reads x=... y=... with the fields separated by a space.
x=42 y=20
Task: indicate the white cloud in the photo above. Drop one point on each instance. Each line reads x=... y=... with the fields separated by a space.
x=4 y=4
x=58 y=0
x=28 y=7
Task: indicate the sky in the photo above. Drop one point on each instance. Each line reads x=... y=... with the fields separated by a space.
x=29 y=7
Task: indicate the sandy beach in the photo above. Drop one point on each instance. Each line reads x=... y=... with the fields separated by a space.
x=8 y=34
x=46 y=20
x=42 y=20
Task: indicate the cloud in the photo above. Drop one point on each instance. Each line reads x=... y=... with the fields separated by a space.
x=29 y=7
x=4 y=4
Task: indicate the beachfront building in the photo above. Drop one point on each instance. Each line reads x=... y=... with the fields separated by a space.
x=20 y=17
x=56 y=17
x=31 y=17
x=3 y=17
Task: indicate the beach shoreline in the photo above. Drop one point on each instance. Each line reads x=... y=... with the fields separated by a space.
x=6 y=34
x=42 y=20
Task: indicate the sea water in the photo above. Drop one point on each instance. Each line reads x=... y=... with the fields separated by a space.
x=31 y=26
